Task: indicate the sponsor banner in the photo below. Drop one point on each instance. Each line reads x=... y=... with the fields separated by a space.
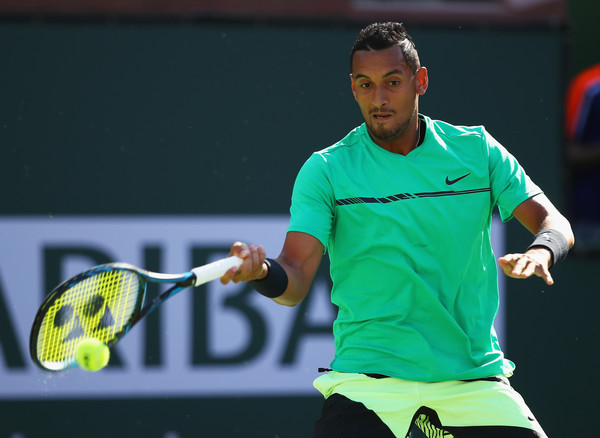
x=207 y=341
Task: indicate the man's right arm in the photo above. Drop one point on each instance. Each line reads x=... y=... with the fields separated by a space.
x=299 y=258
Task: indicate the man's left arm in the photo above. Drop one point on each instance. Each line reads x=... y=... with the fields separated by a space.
x=553 y=240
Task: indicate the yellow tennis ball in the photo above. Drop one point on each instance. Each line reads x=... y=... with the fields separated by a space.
x=92 y=355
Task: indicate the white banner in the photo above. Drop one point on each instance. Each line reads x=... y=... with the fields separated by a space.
x=250 y=345
x=283 y=362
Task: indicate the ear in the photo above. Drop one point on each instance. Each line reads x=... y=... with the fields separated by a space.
x=422 y=78
x=353 y=85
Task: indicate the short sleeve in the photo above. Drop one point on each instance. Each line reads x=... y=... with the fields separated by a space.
x=312 y=206
x=510 y=184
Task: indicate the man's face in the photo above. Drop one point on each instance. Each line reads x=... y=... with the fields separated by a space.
x=386 y=91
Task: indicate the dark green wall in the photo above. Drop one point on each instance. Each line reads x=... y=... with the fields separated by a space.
x=100 y=118
x=584 y=34
x=126 y=118
x=165 y=119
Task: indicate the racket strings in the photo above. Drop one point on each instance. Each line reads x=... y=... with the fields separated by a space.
x=99 y=306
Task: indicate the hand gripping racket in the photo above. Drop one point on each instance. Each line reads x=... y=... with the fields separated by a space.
x=104 y=303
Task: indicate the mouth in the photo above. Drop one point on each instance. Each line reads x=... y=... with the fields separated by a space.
x=381 y=116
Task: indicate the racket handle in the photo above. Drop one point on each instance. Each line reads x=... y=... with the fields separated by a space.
x=215 y=270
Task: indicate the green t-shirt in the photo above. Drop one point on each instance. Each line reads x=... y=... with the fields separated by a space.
x=414 y=275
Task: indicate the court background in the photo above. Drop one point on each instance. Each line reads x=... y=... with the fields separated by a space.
x=214 y=116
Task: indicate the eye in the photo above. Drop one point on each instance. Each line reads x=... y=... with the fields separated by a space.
x=365 y=85
x=394 y=83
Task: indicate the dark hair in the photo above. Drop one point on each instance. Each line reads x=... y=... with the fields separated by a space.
x=379 y=36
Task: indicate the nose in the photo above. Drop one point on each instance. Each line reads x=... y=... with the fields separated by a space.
x=380 y=97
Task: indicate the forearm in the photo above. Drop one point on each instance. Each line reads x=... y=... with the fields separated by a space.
x=297 y=287
x=281 y=281
x=544 y=216
x=559 y=223
x=286 y=279
x=300 y=257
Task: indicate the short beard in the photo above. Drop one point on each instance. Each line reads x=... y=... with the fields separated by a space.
x=392 y=134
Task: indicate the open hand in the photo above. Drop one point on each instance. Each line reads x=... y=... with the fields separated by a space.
x=536 y=261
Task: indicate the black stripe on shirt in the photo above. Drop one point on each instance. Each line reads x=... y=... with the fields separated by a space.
x=406 y=196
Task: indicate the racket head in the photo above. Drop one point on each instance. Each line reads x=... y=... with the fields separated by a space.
x=100 y=303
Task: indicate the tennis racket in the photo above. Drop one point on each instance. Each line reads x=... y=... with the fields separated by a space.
x=104 y=303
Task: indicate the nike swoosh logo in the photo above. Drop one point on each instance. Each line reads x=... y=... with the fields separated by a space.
x=454 y=181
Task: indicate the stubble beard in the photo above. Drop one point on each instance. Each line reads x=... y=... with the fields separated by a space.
x=380 y=133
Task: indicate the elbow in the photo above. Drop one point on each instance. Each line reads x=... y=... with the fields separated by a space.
x=286 y=303
x=571 y=239
x=288 y=300
x=568 y=232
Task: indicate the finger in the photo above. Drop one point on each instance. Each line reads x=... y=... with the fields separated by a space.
x=228 y=276
x=532 y=266
x=239 y=249
x=255 y=257
x=526 y=267
x=506 y=265
x=529 y=267
x=249 y=261
x=507 y=269
x=252 y=264
x=509 y=260
x=520 y=267
x=544 y=273
x=262 y=252
x=506 y=260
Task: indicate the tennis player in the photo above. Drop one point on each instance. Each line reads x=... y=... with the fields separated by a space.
x=404 y=204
